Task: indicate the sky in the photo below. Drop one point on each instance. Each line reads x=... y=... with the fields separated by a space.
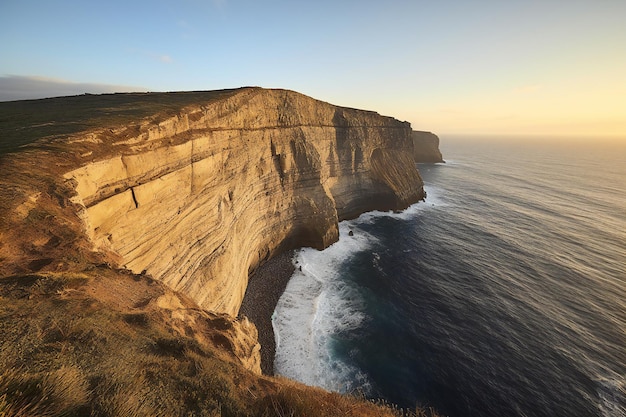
x=549 y=67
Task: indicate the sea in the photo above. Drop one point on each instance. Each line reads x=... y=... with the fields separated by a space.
x=502 y=294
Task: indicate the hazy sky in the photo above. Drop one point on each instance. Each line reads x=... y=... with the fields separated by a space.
x=501 y=67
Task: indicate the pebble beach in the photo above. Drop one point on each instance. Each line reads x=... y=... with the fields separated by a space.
x=265 y=287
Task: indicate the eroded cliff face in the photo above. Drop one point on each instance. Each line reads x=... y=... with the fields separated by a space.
x=426 y=147
x=200 y=198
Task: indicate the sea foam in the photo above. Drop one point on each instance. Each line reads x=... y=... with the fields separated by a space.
x=318 y=305
x=315 y=306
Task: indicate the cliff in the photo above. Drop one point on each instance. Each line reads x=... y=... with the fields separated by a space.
x=130 y=223
x=199 y=195
x=426 y=147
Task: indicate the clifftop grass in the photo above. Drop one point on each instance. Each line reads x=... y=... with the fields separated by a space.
x=23 y=122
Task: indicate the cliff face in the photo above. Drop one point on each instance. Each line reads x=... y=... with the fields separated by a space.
x=426 y=147
x=200 y=198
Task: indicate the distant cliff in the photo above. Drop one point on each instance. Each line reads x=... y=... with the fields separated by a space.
x=426 y=147
x=199 y=195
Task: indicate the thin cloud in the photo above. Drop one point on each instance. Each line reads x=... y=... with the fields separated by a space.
x=188 y=31
x=19 y=87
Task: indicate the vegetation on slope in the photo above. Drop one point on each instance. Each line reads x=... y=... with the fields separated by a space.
x=99 y=344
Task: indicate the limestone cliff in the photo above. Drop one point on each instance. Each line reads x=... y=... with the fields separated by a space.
x=200 y=195
x=426 y=147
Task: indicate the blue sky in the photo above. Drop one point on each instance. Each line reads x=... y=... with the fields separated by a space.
x=478 y=67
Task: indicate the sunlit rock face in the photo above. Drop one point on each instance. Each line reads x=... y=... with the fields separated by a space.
x=426 y=147
x=199 y=199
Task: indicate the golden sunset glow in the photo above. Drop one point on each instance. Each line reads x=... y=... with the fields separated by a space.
x=524 y=68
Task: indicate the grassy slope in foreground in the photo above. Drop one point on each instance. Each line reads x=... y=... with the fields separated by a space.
x=105 y=343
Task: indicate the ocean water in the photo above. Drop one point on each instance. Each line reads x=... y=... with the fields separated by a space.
x=504 y=294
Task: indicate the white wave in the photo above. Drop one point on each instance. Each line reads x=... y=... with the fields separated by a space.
x=315 y=306
x=434 y=198
x=318 y=304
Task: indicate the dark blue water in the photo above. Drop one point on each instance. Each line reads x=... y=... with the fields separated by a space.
x=503 y=295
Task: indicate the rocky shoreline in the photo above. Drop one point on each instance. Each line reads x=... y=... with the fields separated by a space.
x=264 y=289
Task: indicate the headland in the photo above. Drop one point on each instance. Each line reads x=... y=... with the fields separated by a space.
x=191 y=192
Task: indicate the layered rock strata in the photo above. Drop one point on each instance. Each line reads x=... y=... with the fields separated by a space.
x=201 y=198
x=426 y=147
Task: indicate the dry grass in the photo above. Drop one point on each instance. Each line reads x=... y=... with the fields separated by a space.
x=56 y=393
x=66 y=351
x=23 y=122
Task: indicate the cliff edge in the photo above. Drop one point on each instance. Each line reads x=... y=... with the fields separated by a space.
x=199 y=194
x=130 y=223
